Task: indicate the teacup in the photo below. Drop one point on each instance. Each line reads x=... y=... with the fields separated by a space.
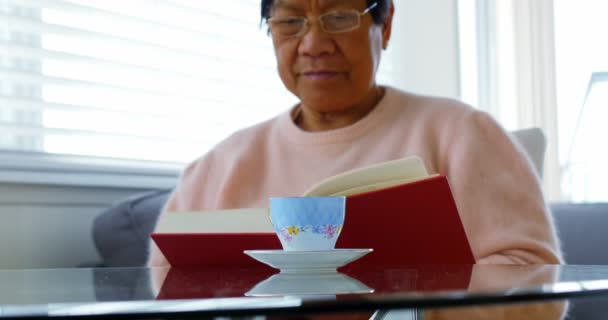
x=307 y=223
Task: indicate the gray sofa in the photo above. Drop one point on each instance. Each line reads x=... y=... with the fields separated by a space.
x=121 y=233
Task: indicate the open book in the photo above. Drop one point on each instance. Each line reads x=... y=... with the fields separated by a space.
x=406 y=215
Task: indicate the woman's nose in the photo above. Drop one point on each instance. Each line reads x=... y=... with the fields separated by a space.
x=315 y=42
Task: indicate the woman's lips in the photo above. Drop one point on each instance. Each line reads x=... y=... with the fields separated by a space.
x=320 y=75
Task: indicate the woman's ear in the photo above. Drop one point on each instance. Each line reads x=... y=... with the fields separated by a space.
x=388 y=25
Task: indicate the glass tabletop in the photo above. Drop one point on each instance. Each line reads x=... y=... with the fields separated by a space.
x=428 y=292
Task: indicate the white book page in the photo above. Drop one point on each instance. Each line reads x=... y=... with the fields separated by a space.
x=220 y=221
x=402 y=169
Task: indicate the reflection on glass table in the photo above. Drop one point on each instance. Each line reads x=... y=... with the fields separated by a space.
x=308 y=285
x=429 y=292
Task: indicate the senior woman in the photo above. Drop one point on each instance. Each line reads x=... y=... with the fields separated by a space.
x=328 y=52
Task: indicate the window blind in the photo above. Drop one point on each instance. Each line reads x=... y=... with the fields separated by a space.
x=161 y=80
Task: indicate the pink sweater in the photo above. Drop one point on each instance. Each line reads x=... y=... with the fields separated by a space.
x=496 y=189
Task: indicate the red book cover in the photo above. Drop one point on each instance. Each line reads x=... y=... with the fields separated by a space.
x=213 y=249
x=413 y=223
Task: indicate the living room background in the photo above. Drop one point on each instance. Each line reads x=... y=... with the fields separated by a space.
x=122 y=85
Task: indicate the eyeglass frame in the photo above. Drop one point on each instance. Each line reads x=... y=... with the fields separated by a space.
x=306 y=25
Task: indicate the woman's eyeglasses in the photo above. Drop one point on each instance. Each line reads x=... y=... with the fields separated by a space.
x=331 y=22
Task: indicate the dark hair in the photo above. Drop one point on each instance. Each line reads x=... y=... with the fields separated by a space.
x=379 y=13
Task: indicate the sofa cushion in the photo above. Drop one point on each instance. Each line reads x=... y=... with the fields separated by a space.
x=581 y=228
x=534 y=144
x=121 y=233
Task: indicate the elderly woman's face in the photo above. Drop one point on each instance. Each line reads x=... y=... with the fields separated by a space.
x=328 y=72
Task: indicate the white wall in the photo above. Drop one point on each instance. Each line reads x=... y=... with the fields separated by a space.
x=48 y=204
x=425 y=48
x=49 y=226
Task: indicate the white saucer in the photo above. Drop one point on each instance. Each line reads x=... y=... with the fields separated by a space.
x=307 y=261
x=308 y=284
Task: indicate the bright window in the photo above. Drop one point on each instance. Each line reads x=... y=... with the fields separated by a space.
x=582 y=92
x=585 y=173
x=495 y=32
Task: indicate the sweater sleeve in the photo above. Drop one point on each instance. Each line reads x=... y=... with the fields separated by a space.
x=498 y=195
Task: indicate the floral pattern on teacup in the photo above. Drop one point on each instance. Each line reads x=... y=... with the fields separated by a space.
x=328 y=231
x=284 y=234
x=293 y=231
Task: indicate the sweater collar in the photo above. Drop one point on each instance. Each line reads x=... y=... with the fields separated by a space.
x=296 y=135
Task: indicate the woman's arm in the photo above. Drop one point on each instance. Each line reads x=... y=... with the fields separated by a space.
x=498 y=195
x=156 y=258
